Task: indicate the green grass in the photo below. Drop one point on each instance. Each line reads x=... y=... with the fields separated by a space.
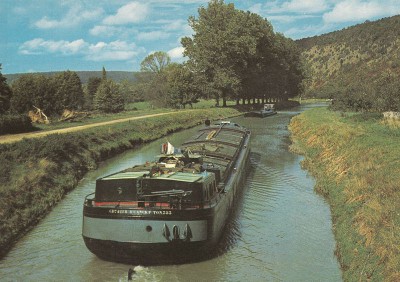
x=355 y=159
x=131 y=110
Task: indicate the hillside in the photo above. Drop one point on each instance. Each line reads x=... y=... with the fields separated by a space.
x=117 y=76
x=361 y=53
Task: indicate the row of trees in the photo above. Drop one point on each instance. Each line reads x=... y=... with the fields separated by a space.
x=233 y=55
x=240 y=57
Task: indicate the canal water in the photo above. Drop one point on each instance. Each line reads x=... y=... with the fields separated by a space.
x=280 y=230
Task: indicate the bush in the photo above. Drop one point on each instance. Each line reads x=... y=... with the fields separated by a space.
x=15 y=124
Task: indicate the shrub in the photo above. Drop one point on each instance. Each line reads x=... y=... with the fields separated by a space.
x=15 y=124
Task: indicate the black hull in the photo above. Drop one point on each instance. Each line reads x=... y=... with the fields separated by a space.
x=150 y=254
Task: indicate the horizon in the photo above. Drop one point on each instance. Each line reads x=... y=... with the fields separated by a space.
x=86 y=36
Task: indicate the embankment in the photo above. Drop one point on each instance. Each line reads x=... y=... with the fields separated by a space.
x=355 y=159
x=36 y=173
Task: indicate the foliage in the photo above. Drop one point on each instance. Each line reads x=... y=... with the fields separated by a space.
x=351 y=64
x=91 y=89
x=69 y=93
x=15 y=124
x=155 y=62
x=182 y=88
x=239 y=56
x=108 y=97
x=51 y=94
x=5 y=94
x=355 y=160
x=84 y=76
x=34 y=90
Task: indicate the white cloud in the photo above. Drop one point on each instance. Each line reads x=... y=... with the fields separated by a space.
x=74 y=17
x=293 y=6
x=104 y=30
x=305 y=6
x=133 y=12
x=113 y=51
x=101 y=51
x=356 y=10
x=176 y=53
x=40 y=46
x=289 y=18
x=152 y=35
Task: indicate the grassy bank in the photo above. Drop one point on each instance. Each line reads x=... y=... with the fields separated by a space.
x=355 y=159
x=36 y=173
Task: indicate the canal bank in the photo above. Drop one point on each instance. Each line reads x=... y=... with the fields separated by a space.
x=280 y=230
x=355 y=159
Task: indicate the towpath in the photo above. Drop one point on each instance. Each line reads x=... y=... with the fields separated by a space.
x=17 y=137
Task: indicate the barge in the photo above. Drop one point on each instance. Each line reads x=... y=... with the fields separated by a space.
x=173 y=209
x=267 y=110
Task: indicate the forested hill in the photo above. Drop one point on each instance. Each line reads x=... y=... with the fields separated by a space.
x=84 y=76
x=359 y=54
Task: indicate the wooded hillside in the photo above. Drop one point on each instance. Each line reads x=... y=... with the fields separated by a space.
x=363 y=54
x=84 y=76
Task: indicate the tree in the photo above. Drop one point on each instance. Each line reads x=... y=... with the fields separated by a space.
x=103 y=74
x=239 y=55
x=5 y=94
x=182 y=89
x=214 y=49
x=91 y=89
x=155 y=62
x=33 y=90
x=69 y=93
x=108 y=98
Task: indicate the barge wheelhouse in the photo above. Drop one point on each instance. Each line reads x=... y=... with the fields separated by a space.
x=173 y=209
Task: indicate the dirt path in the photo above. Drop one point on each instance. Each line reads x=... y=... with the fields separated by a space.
x=17 y=137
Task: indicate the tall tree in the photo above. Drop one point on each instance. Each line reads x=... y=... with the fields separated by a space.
x=214 y=49
x=5 y=94
x=91 y=89
x=182 y=88
x=155 y=62
x=69 y=91
x=33 y=90
x=108 y=97
x=103 y=74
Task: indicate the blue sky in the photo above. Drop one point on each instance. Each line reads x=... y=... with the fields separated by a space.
x=51 y=35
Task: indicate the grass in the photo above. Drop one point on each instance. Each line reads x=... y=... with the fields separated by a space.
x=355 y=159
x=131 y=110
x=36 y=173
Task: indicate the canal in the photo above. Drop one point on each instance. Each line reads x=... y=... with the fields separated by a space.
x=280 y=231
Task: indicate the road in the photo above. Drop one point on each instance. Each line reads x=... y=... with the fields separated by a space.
x=17 y=137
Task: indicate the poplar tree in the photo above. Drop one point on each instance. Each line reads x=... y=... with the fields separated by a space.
x=108 y=97
x=5 y=94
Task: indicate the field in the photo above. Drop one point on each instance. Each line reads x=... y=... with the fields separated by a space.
x=355 y=159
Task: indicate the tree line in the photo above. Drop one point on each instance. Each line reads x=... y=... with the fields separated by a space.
x=232 y=55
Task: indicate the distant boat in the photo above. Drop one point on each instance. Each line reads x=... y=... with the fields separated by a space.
x=267 y=110
x=174 y=209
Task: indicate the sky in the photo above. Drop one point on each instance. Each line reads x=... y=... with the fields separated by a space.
x=78 y=35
